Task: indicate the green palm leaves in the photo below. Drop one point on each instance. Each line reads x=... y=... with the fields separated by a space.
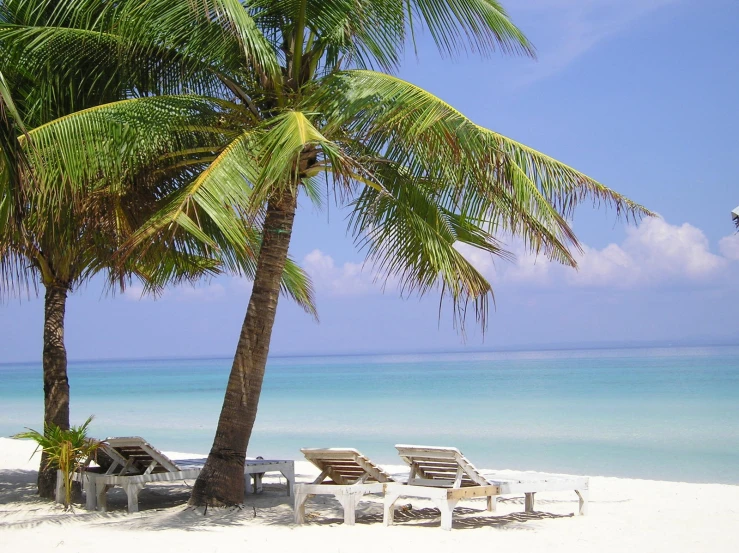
x=420 y=176
x=66 y=450
x=94 y=158
x=205 y=119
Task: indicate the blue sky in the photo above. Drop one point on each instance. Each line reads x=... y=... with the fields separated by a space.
x=639 y=94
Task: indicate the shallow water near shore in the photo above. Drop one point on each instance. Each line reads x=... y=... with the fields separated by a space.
x=665 y=414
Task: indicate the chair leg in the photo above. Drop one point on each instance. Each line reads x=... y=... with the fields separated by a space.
x=60 y=487
x=88 y=484
x=299 y=506
x=349 y=503
x=492 y=503
x=446 y=506
x=388 y=511
x=289 y=474
x=101 y=494
x=583 y=496
x=529 y=502
x=132 y=493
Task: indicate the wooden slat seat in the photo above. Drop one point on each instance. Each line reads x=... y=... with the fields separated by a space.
x=445 y=476
x=346 y=474
x=132 y=462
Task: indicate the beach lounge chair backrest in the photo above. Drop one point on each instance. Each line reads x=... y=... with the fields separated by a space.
x=344 y=466
x=439 y=467
x=445 y=476
x=134 y=455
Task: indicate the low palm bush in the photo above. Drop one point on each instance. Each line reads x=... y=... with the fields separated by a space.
x=65 y=450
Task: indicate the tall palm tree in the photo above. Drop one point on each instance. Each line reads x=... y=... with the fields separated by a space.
x=62 y=243
x=306 y=110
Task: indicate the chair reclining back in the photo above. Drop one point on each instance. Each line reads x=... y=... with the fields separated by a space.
x=439 y=467
x=132 y=456
x=344 y=466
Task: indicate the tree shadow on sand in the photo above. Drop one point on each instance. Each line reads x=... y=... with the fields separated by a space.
x=328 y=512
x=466 y=518
x=163 y=506
x=18 y=485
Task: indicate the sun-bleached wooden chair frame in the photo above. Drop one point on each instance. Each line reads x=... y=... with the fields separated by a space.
x=445 y=476
x=441 y=474
x=346 y=474
x=135 y=463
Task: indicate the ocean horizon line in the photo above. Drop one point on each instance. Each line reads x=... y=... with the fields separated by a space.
x=474 y=350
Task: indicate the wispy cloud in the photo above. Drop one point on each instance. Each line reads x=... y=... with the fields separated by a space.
x=564 y=30
x=345 y=280
x=653 y=254
x=729 y=246
x=205 y=291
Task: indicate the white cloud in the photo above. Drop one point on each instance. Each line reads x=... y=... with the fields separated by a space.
x=134 y=292
x=527 y=268
x=611 y=265
x=183 y=293
x=347 y=280
x=203 y=292
x=653 y=253
x=563 y=30
x=729 y=246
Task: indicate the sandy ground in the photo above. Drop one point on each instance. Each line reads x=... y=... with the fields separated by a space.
x=625 y=515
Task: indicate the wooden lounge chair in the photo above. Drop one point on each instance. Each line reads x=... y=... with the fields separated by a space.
x=132 y=463
x=255 y=469
x=345 y=474
x=445 y=476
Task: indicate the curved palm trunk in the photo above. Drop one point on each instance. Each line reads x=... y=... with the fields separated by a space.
x=221 y=482
x=56 y=384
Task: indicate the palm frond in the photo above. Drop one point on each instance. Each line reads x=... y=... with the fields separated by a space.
x=476 y=26
x=98 y=145
x=203 y=29
x=66 y=450
x=368 y=33
x=407 y=235
x=14 y=173
x=488 y=178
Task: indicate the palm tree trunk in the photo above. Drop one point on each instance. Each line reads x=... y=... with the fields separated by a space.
x=56 y=384
x=221 y=482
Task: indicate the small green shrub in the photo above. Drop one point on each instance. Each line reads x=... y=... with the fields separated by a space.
x=66 y=450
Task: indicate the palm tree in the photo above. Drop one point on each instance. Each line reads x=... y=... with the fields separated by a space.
x=62 y=243
x=305 y=109
x=11 y=126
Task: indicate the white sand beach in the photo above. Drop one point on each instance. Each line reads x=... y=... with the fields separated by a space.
x=625 y=515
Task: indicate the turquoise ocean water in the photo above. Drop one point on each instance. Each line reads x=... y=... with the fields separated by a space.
x=666 y=414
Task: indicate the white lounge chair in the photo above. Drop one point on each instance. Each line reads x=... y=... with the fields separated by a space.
x=255 y=469
x=346 y=474
x=445 y=476
x=132 y=462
